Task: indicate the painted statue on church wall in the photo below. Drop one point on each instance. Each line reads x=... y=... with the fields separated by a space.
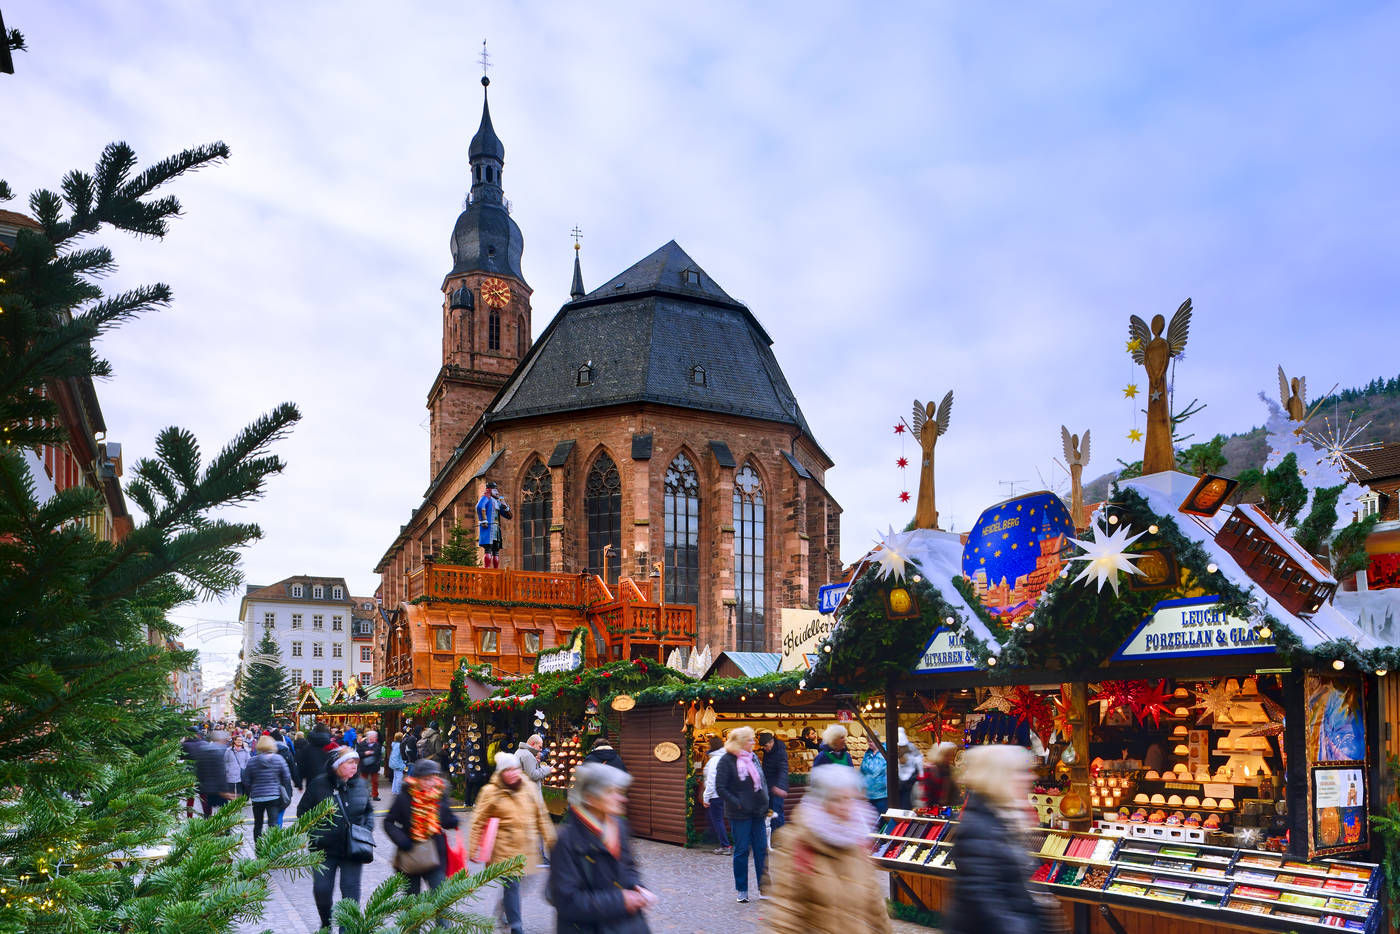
x=1156 y=352
x=1293 y=396
x=491 y=508
x=929 y=424
x=1076 y=456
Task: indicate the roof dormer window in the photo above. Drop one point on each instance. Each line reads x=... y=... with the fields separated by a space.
x=698 y=376
x=296 y=590
x=691 y=277
x=318 y=592
x=337 y=593
x=585 y=375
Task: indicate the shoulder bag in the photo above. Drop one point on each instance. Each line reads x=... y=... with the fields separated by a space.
x=359 y=839
x=421 y=858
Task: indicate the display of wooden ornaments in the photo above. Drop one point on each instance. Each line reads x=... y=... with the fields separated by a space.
x=564 y=758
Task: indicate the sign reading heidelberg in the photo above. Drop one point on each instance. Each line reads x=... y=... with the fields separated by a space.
x=1188 y=628
x=944 y=652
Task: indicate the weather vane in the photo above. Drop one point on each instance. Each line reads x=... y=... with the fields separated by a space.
x=485 y=59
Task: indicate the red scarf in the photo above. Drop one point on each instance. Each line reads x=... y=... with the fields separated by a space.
x=604 y=828
x=427 y=819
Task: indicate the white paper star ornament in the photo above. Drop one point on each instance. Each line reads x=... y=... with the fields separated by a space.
x=893 y=554
x=1105 y=555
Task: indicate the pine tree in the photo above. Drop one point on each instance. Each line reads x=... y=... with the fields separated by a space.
x=460 y=548
x=266 y=687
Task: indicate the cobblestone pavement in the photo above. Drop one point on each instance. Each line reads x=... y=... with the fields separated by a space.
x=695 y=887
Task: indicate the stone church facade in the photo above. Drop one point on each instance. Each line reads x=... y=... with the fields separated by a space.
x=648 y=433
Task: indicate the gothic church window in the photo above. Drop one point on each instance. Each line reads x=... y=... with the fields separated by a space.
x=493 y=330
x=682 y=533
x=536 y=512
x=749 y=561
x=602 y=505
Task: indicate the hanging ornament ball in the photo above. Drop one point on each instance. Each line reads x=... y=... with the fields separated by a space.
x=949 y=620
x=1338 y=664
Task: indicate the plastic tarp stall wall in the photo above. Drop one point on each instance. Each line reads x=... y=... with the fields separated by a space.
x=656 y=800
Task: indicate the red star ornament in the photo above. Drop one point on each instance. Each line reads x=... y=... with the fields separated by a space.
x=1153 y=701
x=935 y=712
x=904 y=496
x=1063 y=708
x=902 y=462
x=1032 y=708
x=899 y=428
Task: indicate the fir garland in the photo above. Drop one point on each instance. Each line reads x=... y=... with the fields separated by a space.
x=690 y=689
x=505 y=604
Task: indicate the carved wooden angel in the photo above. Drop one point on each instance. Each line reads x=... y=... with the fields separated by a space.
x=1154 y=352
x=1293 y=395
x=1076 y=456
x=929 y=423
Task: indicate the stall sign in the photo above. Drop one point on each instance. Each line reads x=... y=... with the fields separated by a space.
x=1336 y=751
x=829 y=597
x=803 y=631
x=569 y=659
x=945 y=652
x=1191 y=627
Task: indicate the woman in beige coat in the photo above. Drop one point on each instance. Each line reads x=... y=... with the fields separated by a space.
x=823 y=878
x=524 y=823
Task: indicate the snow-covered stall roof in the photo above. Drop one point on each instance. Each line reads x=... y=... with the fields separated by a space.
x=1166 y=491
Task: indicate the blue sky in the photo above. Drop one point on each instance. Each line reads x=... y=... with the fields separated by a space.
x=911 y=197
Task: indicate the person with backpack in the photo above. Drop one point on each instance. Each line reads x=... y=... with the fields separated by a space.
x=430 y=742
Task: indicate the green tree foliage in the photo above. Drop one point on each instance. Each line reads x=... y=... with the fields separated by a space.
x=1206 y=457
x=1280 y=490
x=388 y=910
x=1349 y=546
x=1316 y=528
x=266 y=687
x=460 y=548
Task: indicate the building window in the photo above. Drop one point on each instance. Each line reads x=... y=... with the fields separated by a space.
x=602 y=504
x=442 y=640
x=318 y=650
x=296 y=590
x=585 y=375
x=490 y=639
x=1368 y=504
x=337 y=593
x=318 y=592
x=682 y=535
x=748 y=561
x=296 y=650
x=318 y=678
x=493 y=330
x=270 y=620
x=536 y=512
x=530 y=643
x=522 y=339
x=296 y=620
x=366 y=654
x=366 y=677
x=337 y=623
x=691 y=276
x=337 y=650
x=318 y=621
x=337 y=675
x=298 y=677
x=697 y=376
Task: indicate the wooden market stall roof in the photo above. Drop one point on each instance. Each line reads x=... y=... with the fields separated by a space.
x=743 y=665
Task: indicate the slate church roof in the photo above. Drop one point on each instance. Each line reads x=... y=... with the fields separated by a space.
x=663 y=332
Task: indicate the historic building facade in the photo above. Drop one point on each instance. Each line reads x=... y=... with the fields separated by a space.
x=310 y=620
x=648 y=433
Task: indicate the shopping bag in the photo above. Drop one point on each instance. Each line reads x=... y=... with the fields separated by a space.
x=488 y=840
x=456 y=854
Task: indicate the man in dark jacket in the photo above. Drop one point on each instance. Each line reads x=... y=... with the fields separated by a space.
x=338 y=780
x=775 y=774
x=371 y=752
x=409 y=749
x=311 y=761
x=288 y=753
x=603 y=752
x=211 y=774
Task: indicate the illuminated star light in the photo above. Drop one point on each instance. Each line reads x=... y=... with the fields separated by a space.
x=893 y=553
x=1105 y=555
x=1130 y=391
x=1338 y=441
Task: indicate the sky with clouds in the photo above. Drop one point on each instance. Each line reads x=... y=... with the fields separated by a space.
x=911 y=197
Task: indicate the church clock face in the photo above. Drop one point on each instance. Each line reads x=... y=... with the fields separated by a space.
x=495 y=292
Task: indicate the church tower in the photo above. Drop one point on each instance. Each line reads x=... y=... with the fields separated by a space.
x=485 y=301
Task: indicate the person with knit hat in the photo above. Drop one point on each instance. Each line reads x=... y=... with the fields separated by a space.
x=523 y=823
x=339 y=781
x=422 y=812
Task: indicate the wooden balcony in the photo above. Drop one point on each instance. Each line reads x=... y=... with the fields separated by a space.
x=453 y=583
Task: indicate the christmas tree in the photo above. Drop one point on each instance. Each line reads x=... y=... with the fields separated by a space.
x=460 y=548
x=265 y=687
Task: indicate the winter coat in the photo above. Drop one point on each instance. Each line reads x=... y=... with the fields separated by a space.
x=410 y=747
x=311 y=760
x=821 y=888
x=586 y=882
x=265 y=775
x=289 y=757
x=990 y=895
x=371 y=756
x=210 y=772
x=775 y=766
x=398 y=823
x=874 y=771
x=828 y=756
x=741 y=800
x=429 y=744
x=395 y=756
x=524 y=821
x=351 y=737
x=234 y=760
x=330 y=837
x=606 y=755
x=710 y=792
x=534 y=770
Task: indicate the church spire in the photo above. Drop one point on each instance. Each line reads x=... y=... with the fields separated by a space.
x=487 y=155
x=576 y=290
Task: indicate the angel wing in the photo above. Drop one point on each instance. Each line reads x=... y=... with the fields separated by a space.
x=919 y=418
x=945 y=409
x=1303 y=389
x=1069 y=445
x=1176 y=330
x=1139 y=331
x=1084 y=447
x=1283 y=392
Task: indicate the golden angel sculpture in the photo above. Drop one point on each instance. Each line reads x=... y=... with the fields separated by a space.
x=929 y=424
x=1076 y=456
x=1293 y=396
x=1154 y=352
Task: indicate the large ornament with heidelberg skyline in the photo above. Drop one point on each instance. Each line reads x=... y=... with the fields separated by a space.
x=1014 y=551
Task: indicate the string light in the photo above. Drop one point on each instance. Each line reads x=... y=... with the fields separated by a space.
x=1265 y=632
x=1030 y=627
x=1212 y=568
x=991 y=661
x=1380 y=672
x=1338 y=664
x=1112 y=520
x=1152 y=529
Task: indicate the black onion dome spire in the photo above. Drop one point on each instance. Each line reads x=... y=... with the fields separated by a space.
x=485 y=238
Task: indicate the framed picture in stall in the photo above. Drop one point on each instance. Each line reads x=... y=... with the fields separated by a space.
x=1335 y=737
